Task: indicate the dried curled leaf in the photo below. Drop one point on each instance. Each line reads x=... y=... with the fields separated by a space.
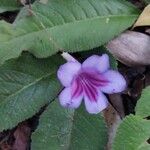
x=144 y=19
x=131 y=48
x=22 y=137
x=113 y=120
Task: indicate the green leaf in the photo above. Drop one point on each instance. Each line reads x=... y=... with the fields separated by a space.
x=26 y=84
x=145 y=146
x=143 y=104
x=9 y=5
x=64 y=129
x=71 y=25
x=6 y=31
x=132 y=134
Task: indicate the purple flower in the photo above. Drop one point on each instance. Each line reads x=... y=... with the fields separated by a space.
x=89 y=81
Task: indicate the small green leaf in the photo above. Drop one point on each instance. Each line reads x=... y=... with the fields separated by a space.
x=26 y=84
x=9 y=5
x=143 y=104
x=63 y=129
x=132 y=134
x=71 y=25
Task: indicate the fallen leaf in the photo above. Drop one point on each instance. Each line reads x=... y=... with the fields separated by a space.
x=5 y=146
x=144 y=18
x=6 y=140
x=22 y=135
x=131 y=48
x=113 y=120
x=117 y=102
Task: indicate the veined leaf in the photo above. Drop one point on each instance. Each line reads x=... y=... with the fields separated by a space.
x=71 y=25
x=9 y=5
x=132 y=134
x=26 y=84
x=63 y=129
x=143 y=104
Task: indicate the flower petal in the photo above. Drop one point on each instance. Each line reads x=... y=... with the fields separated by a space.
x=94 y=107
x=100 y=63
x=116 y=82
x=67 y=71
x=66 y=100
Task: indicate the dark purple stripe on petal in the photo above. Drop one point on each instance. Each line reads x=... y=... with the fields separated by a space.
x=88 y=81
x=96 y=79
x=99 y=82
x=76 y=88
x=91 y=92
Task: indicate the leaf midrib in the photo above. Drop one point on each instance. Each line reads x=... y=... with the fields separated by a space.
x=27 y=86
x=78 y=21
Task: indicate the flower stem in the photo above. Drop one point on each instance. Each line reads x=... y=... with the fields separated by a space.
x=68 y=57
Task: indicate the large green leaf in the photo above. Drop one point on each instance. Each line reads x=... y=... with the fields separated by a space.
x=143 y=104
x=26 y=84
x=132 y=134
x=9 y=5
x=71 y=25
x=63 y=129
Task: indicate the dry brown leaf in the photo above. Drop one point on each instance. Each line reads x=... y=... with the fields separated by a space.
x=144 y=18
x=117 y=102
x=113 y=115
x=113 y=120
x=5 y=146
x=22 y=135
x=131 y=48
